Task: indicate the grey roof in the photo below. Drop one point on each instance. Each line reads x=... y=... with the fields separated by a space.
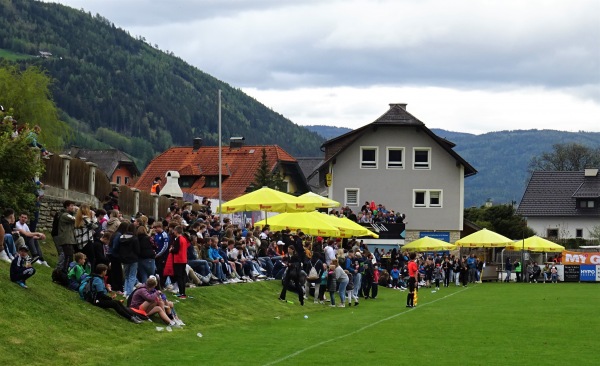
x=551 y=193
x=396 y=116
x=309 y=166
x=107 y=159
x=590 y=188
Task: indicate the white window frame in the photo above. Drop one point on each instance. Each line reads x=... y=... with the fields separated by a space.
x=346 y=203
x=363 y=148
x=387 y=157
x=415 y=167
x=427 y=201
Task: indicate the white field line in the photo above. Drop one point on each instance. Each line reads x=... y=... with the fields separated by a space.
x=360 y=329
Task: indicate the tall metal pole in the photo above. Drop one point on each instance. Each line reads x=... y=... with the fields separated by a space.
x=220 y=165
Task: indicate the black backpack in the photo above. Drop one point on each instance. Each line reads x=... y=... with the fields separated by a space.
x=55 y=221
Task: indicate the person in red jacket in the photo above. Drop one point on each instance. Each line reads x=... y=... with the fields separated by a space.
x=179 y=252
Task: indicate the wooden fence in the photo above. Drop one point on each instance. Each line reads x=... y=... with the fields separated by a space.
x=79 y=181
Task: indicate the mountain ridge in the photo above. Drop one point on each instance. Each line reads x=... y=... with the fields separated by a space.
x=502 y=173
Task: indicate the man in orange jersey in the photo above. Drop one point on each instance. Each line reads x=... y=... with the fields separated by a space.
x=413 y=272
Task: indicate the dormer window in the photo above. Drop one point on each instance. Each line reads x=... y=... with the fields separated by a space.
x=587 y=204
x=186 y=182
x=211 y=181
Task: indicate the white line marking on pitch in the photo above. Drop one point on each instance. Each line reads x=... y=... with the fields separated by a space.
x=359 y=330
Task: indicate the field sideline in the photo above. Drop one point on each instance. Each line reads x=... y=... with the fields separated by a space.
x=483 y=324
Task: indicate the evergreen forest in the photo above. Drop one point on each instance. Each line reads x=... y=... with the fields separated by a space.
x=115 y=90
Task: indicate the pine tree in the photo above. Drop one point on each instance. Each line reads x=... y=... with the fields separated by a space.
x=265 y=177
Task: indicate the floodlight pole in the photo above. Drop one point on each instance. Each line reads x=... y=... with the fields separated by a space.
x=523 y=258
x=220 y=165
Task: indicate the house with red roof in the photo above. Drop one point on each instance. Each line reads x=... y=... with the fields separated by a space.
x=198 y=167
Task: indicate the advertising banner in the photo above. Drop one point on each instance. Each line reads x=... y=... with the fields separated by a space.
x=580 y=258
x=571 y=273
x=587 y=273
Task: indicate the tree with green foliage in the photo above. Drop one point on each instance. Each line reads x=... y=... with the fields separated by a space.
x=595 y=233
x=267 y=177
x=20 y=165
x=501 y=219
x=567 y=157
x=26 y=96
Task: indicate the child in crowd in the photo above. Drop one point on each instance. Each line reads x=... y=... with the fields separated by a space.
x=395 y=273
x=374 y=286
x=94 y=291
x=438 y=274
x=20 y=267
x=147 y=300
x=554 y=274
x=323 y=285
x=331 y=284
x=350 y=288
x=78 y=271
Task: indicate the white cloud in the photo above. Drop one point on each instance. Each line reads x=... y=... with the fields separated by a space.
x=474 y=111
x=541 y=57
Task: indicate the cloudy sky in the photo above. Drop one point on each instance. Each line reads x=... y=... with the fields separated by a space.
x=462 y=65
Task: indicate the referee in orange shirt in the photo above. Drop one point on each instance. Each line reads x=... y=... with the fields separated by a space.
x=413 y=272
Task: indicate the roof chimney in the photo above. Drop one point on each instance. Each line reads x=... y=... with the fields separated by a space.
x=171 y=188
x=591 y=172
x=236 y=142
x=197 y=143
x=401 y=105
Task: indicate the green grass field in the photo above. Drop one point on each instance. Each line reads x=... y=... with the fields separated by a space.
x=484 y=324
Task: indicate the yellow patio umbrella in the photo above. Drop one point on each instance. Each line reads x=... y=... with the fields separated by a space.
x=264 y=199
x=536 y=244
x=318 y=201
x=304 y=221
x=346 y=229
x=484 y=238
x=426 y=243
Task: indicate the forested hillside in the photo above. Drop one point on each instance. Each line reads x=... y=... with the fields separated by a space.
x=502 y=159
x=117 y=90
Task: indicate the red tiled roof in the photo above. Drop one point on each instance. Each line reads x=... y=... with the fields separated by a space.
x=238 y=167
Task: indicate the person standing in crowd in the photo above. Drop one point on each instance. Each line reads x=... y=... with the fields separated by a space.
x=507 y=269
x=518 y=270
x=179 y=252
x=129 y=250
x=155 y=189
x=472 y=264
x=294 y=267
x=413 y=271
x=447 y=269
x=66 y=233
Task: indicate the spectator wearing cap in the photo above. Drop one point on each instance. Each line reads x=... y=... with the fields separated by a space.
x=155 y=189
x=20 y=267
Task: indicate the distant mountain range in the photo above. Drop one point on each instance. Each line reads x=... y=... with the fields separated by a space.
x=501 y=158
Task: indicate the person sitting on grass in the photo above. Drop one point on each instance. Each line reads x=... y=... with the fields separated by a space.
x=20 y=267
x=147 y=301
x=94 y=291
x=78 y=272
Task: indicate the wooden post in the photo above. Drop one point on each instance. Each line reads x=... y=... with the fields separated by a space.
x=136 y=200
x=92 y=184
x=155 y=208
x=66 y=172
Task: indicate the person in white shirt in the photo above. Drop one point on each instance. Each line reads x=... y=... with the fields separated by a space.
x=329 y=253
x=31 y=239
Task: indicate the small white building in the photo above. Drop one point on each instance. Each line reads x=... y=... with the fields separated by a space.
x=562 y=205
